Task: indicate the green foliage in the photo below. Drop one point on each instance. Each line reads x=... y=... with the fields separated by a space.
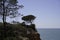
x=17 y=31
x=28 y=18
x=9 y=8
x=13 y=1
x=12 y=31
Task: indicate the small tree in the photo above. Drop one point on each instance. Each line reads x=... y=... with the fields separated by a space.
x=28 y=18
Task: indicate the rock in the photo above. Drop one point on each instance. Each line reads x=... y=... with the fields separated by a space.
x=19 y=32
x=34 y=36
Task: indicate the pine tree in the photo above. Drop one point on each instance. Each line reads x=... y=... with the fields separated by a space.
x=8 y=8
x=28 y=18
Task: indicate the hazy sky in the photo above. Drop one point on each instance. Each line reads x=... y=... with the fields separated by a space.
x=47 y=12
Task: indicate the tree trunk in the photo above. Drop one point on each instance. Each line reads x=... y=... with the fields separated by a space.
x=4 y=21
x=4 y=17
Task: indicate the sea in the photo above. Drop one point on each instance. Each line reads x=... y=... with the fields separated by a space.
x=49 y=34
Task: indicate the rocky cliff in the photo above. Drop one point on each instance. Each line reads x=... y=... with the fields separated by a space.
x=19 y=32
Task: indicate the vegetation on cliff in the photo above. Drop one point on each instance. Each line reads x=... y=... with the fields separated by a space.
x=16 y=31
x=19 y=31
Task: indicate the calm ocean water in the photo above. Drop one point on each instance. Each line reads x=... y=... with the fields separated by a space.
x=49 y=34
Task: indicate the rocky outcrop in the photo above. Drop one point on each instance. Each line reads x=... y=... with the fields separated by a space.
x=19 y=32
x=34 y=36
x=32 y=33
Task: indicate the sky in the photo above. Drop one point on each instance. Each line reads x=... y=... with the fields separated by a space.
x=47 y=12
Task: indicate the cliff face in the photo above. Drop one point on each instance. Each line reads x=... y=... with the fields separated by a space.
x=34 y=36
x=32 y=33
x=19 y=32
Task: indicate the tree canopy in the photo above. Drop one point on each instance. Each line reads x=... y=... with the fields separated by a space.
x=28 y=18
x=9 y=8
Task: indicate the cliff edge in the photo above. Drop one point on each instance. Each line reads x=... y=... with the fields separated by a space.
x=19 y=32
